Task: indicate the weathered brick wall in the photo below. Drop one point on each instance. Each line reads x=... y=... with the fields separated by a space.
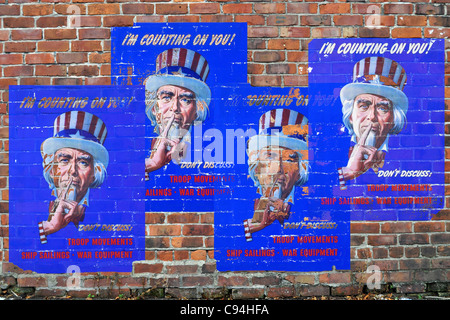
x=38 y=48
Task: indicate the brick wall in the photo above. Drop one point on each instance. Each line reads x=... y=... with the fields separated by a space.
x=37 y=48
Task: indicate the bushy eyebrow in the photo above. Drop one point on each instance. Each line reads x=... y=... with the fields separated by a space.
x=187 y=95
x=384 y=103
x=84 y=157
x=63 y=155
x=368 y=102
x=165 y=92
x=81 y=157
x=365 y=101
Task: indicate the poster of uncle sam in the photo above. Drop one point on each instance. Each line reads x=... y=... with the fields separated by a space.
x=181 y=67
x=377 y=118
x=216 y=144
x=75 y=178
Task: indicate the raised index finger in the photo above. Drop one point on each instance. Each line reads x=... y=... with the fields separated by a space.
x=365 y=134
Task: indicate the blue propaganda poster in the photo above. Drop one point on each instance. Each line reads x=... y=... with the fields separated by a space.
x=377 y=118
x=76 y=179
x=216 y=144
x=187 y=63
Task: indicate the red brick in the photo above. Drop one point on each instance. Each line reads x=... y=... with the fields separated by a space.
x=37 y=9
x=398 y=8
x=18 y=22
x=440 y=238
x=137 y=8
x=183 y=18
x=268 y=56
x=164 y=230
x=283 y=44
x=11 y=58
x=348 y=20
x=406 y=32
x=267 y=280
x=187 y=242
x=199 y=255
x=251 y=20
x=54 y=70
x=199 y=8
x=197 y=281
x=34 y=58
x=381 y=240
x=217 y=18
x=64 y=9
x=4 y=35
x=280 y=68
x=248 y=293
x=51 y=22
x=411 y=21
x=366 y=8
x=171 y=8
x=429 y=226
x=439 y=21
x=9 y=10
x=183 y=218
x=182 y=269
x=59 y=34
x=26 y=34
x=301 y=8
x=430 y=9
x=56 y=45
x=282 y=20
x=254 y=68
x=374 y=32
x=67 y=81
x=86 y=45
x=104 y=8
x=411 y=239
x=295 y=32
x=270 y=8
x=198 y=230
x=238 y=8
x=396 y=227
x=181 y=255
x=262 y=32
x=17 y=71
x=350 y=290
x=118 y=21
x=316 y=20
x=266 y=81
x=280 y=292
x=334 y=8
x=239 y=281
x=94 y=33
x=164 y=255
x=32 y=281
x=297 y=56
x=71 y=57
x=147 y=267
x=365 y=227
x=93 y=21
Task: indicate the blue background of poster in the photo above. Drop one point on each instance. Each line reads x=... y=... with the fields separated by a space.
x=232 y=208
x=419 y=146
x=131 y=64
x=117 y=201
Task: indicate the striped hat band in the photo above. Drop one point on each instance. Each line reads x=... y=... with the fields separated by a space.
x=278 y=118
x=379 y=69
x=80 y=124
x=187 y=62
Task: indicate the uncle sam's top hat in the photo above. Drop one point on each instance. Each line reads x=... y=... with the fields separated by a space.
x=279 y=127
x=79 y=130
x=378 y=75
x=181 y=67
